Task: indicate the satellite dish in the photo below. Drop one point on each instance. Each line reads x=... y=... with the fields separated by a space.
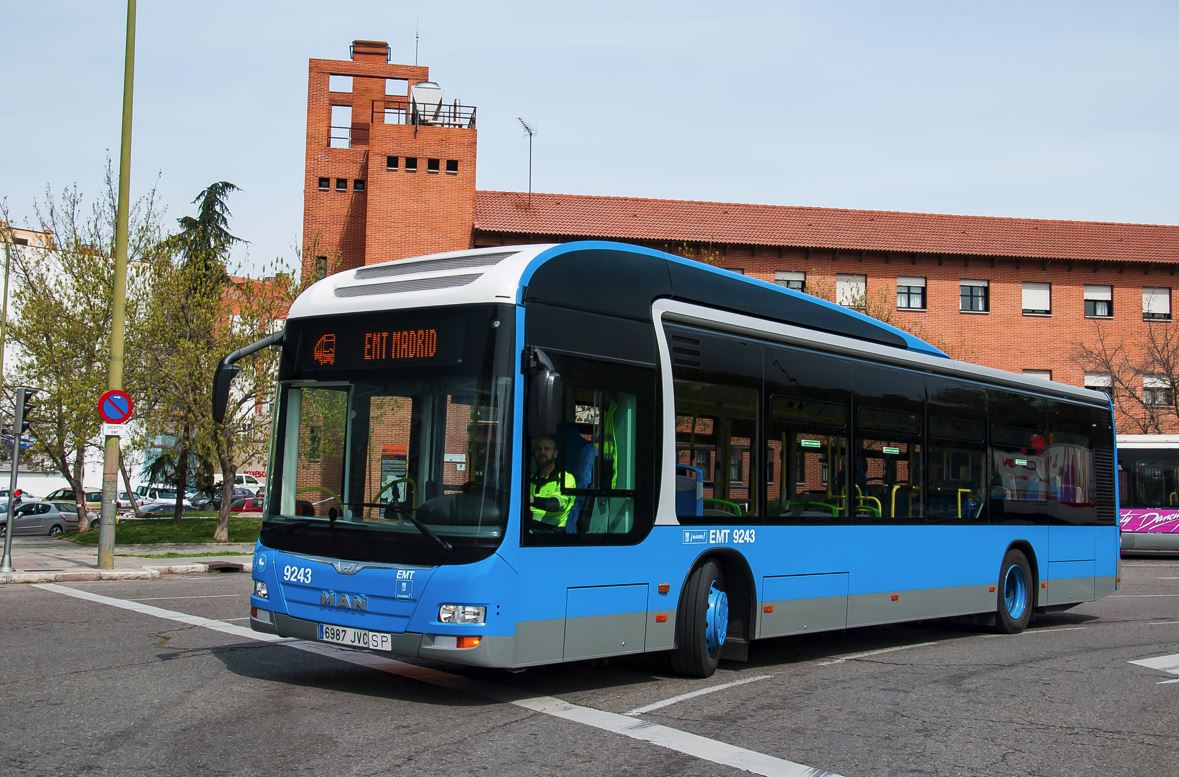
x=425 y=98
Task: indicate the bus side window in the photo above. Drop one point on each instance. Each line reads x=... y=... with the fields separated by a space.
x=605 y=443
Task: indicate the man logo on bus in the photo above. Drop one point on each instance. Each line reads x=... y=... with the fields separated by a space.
x=324 y=351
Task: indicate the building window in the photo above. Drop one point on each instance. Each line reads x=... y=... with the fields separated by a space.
x=340 y=131
x=411 y=164
x=1037 y=298
x=432 y=166
x=341 y=184
x=358 y=185
x=339 y=83
x=974 y=296
x=391 y=163
x=1156 y=304
x=851 y=290
x=1099 y=381
x=1041 y=374
x=325 y=184
x=452 y=167
x=1157 y=391
x=910 y=293
x=320 y=267
x=738 y=270
x=791 y=279
x=396 y=87
x=1099 y=301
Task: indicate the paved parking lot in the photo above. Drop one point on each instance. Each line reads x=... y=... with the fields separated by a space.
x=129 y=677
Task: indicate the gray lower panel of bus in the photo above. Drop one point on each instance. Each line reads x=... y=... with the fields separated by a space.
x=491 y=652
x=571 y=639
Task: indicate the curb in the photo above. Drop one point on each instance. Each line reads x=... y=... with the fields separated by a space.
x=143 y=573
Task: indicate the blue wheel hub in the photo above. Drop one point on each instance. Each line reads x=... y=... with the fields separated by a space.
x=1015 y=592
x=716 y=619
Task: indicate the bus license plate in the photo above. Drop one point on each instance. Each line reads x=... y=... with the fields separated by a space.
x=357 y=638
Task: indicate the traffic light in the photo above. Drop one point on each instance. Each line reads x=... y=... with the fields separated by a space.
x=27 y=406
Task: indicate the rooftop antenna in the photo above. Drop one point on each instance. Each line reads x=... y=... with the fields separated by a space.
x=530 y=132
x=417 y=27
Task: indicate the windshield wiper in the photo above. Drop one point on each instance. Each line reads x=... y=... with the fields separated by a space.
x=392 y=509
x=283 y=528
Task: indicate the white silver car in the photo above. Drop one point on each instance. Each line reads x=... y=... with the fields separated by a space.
x=39 y=517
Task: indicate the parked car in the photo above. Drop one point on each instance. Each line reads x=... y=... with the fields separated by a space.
x=93 y=497
x=238 y=493
x=40 y=517
x=249 y=504
x=21 y=495
x=70 y=510
x=201 y=500
x=154 y=510
x=123 y=500
x=241 y=480
x=152 y=494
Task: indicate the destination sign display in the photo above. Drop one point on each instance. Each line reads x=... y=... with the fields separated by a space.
x=351 y=345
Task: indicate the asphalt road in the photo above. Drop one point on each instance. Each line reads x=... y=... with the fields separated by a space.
x=91 y=687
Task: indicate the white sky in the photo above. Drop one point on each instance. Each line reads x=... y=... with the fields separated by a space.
x=1050 y=109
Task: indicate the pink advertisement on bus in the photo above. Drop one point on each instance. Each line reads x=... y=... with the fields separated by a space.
x=1153 y=521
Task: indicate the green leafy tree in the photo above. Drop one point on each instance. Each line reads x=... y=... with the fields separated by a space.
x=61 y=311
x=188 y=283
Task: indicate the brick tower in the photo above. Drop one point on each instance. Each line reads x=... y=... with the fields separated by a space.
x=390 y=163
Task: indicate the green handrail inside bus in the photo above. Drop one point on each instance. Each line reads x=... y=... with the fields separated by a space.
x=908 y=494
x=724 y=504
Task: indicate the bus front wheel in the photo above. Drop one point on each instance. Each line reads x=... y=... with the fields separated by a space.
x=1014 y=601
x=702 y=622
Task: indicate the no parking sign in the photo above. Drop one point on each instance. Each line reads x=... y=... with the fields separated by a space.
x=115 y=406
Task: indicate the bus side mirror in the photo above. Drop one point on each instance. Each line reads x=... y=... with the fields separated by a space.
x=221 y=380
x=545 y=395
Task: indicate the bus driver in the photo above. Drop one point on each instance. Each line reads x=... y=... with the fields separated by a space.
x=546 y=489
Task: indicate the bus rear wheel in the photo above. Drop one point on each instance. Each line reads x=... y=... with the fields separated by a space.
x=1014 y=603
x=702 y=622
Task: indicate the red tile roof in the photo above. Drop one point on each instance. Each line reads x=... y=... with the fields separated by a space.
x=632 y=218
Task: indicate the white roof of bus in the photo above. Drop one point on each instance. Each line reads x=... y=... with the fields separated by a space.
x=453 y=278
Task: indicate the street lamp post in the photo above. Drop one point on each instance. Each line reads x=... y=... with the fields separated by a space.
x=110 y=462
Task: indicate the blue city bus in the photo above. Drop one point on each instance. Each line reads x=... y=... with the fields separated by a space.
x=744 y=461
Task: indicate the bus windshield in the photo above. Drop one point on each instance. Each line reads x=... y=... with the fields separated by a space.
x=398 y=462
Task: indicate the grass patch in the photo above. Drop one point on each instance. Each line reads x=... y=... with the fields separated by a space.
x=187 y=530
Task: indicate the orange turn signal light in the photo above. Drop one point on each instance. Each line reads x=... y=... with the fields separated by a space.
x=1044 y=584
x=469 y=642
x=661 y=619
x=991 y=589
x=895 y=597
x=767 y=608
x=664 y=587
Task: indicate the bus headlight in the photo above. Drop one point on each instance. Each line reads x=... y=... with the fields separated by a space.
x=462 y=613
x=260 y=590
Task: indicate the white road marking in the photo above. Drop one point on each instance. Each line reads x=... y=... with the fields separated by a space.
x=882 y=651
x=703 y=691
x=1167 y=578
x=201 y=596
x=1164 y=623
x=663 y=736
x=1168 y=664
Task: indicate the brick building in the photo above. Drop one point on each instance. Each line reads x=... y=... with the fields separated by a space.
x=391 y=174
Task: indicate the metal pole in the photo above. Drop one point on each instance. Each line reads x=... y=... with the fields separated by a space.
x=110 y=462
x=18 y=418
x=4 y=306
